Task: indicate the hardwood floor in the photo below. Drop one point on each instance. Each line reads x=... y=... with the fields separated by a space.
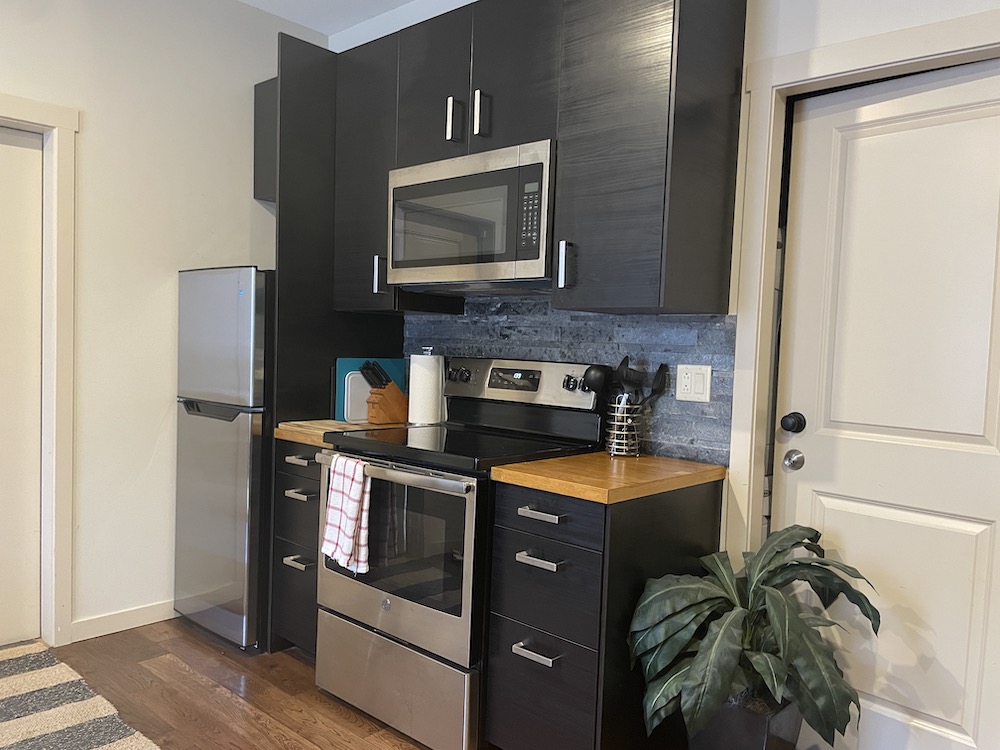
x=186 y=689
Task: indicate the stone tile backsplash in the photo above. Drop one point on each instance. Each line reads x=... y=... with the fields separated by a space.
x=528 y=328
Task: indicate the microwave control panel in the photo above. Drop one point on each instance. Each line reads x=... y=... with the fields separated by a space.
x=529 y=222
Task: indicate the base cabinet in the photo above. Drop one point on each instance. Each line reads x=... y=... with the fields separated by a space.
x=294 y=547
x=558 y=671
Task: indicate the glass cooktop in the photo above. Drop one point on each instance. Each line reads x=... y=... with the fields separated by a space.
x=454 y=446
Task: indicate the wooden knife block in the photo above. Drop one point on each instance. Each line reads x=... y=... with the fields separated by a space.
x=387 y=405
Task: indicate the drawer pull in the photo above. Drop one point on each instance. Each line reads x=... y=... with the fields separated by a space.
x=300 y=495
x=519 y=649
x=296 y=561
x=537 y=562
x=299 y=461
x=537 y=515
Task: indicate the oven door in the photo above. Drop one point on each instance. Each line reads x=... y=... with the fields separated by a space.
x=421 y=535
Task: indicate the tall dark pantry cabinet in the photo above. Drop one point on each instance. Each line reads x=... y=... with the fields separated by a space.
x=294 y=163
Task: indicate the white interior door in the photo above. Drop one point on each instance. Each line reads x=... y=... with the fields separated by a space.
x=890 y=348
x=20 y=382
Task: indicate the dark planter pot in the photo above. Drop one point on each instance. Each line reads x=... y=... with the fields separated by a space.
x=737 y=728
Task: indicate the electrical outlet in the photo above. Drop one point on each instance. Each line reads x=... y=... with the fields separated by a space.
x=694 y=383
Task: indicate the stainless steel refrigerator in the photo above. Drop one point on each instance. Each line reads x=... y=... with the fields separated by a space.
x=222 y=416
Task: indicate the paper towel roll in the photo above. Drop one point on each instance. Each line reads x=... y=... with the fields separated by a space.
x=426 y=390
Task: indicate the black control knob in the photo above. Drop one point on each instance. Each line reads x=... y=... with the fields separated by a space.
x=464 y=374
x=452 y=374
x=793 y=422
x=570 y=383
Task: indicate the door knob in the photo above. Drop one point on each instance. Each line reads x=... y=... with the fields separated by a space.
x=793 y=422
x=794 y=460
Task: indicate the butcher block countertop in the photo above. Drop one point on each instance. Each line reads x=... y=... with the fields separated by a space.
x=310 y=432
x=602 y=479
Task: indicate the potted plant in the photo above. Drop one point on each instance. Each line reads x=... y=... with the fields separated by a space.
x=745 y=643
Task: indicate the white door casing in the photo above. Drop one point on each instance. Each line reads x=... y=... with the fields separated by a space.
x=20 y=382
x=890 y=347
x=58 y=127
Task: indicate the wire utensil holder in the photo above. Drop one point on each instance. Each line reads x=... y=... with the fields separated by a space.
x=626 y=424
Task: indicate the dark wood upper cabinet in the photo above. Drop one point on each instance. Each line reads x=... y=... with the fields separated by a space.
x=496 y=62
x=649 y=102
x=515 y=69
x=434 y=59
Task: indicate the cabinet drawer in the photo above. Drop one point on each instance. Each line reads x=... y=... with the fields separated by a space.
x=550 y=585
x=296 y=509
x=293 y=594
x=566 y=519
x=531 y=706
x=297 y=458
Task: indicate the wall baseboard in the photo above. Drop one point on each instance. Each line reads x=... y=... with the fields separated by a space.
x=124 y=620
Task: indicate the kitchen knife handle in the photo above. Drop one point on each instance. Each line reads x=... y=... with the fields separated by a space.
x=482 y=113
x=536 y=515
x=297 y=562
x=519 y=649
x=300 y=495
x=537 y=562
x=299 y=461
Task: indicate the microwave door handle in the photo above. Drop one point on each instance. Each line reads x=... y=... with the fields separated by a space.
x=422 y=481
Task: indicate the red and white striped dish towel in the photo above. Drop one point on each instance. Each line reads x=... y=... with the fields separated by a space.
x=345 y=536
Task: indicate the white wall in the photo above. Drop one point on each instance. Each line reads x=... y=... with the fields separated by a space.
x=164 y=181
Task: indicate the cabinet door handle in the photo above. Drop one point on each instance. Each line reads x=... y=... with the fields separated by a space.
x=536 y=515
x=300 y=495
x=297 y=562
x=482 y=113
x=375 y=274
x=563 y=279
x=452 y=123
x=537 y=562
x=299 y=461
x=519 y=649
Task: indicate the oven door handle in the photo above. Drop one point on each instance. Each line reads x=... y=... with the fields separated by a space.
x=422 y=481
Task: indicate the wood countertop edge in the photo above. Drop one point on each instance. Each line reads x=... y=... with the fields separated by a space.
x=297 y=436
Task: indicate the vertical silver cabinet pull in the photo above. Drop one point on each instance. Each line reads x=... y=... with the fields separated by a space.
x=481 y=113
x=299 y=461
x=519 y=649
x=375 y=264
x=537 y=562
x=528 y=512
x=563 y=278
x=300 y=495
x=452 y=129
x=296 y=561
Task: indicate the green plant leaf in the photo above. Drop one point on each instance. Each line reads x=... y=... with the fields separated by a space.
x=772 y=554
x=827 y=708
x=664 y=596
x=815 y=621
x=657 y=659
x=642 y=641
x=708 y=683
x=824 y=580
x=662 y=695
x=718 y=565
x=772 y=669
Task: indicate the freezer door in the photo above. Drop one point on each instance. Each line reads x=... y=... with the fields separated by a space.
x=220 y=338
x=218 y=501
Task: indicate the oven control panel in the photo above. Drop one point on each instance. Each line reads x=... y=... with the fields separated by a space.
x=542 y=383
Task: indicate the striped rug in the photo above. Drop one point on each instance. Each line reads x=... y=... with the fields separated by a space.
x=45 y=705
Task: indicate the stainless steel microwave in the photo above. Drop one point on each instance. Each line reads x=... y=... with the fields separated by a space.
x=478 y=218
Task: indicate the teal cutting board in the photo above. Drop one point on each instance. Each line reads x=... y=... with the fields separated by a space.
x=394 y=368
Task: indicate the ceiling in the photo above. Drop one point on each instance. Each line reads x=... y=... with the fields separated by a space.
x=327 y=16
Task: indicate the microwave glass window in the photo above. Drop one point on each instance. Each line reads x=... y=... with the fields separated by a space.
x=467 y=226
x=415 y=546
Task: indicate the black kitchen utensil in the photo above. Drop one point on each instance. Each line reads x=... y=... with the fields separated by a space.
x=383 y=375
x=598 y=379
x=626 y=376
x=371 y=375
x=660 y=381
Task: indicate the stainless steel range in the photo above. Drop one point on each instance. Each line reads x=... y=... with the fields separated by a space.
x=404 y=642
